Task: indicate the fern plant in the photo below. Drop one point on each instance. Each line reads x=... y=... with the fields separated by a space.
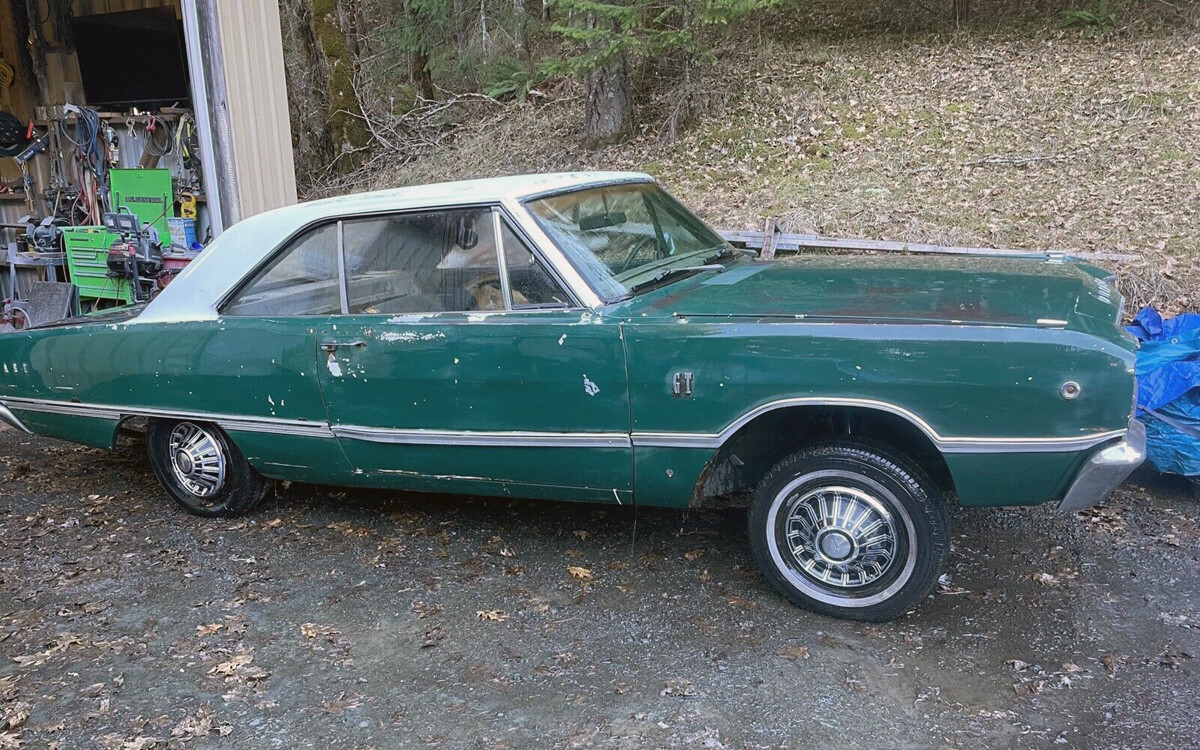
x=1094 y=19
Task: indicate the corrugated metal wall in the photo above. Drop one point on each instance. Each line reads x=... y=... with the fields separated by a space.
x=252 y=45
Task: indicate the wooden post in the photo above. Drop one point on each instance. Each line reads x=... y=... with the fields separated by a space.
x=768 y=248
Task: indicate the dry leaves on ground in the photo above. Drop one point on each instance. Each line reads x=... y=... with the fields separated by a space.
x=239 y=668
x=580 y=574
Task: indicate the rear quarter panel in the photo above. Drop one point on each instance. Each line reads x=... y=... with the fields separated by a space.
x=251 y=367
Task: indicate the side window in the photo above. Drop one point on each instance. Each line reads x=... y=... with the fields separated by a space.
x=303 y=280
x=443 y=261
x=528 y=282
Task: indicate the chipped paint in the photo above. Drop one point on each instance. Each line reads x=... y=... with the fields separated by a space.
x=561 y=339
x=411 y=318
x=409 y=336
x=335 y=369
x=589 y=387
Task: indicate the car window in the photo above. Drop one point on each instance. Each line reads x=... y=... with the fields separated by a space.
x=440 y=261
x=303 y=280
x=528 y=281
x=617 y=234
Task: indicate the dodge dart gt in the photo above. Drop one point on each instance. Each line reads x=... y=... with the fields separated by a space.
x=586 y=337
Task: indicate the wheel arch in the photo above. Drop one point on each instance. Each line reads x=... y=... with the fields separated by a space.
x=757 y=441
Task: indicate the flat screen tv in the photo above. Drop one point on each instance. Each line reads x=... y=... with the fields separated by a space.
x=133 y=58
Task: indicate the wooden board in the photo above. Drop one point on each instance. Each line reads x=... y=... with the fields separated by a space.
x=797 y=242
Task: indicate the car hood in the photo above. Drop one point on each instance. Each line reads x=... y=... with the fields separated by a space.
x=909 y=289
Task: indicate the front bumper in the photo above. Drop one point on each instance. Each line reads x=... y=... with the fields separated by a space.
x=1106 y=469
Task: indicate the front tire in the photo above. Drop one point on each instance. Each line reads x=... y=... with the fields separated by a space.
x=202 y=470
x=849 y=528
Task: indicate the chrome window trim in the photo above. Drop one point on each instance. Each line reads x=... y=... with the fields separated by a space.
x=578 y=301
x=501 y=260
x=580 y=285
x=631 y=179
x=343 y=281
x=573 y=282
x=709 y=441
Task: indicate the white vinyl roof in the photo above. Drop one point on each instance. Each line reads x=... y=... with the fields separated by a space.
x=195 y=293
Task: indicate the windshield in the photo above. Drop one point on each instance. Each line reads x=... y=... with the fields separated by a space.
x=621 y=236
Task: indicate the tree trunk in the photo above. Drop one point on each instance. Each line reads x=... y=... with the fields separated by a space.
x=306 y=80
x=520 y=24
x=330 y=27
x=419 y=70
x=608 y=94
x=485 y=40
x=418 y=58
x=462 y=31
x=608 y=107
x=962 y=11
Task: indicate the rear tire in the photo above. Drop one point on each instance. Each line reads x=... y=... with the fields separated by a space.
x=202 y=470
x=849 y=528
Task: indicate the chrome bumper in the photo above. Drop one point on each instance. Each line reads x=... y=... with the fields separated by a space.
x=1106 y=469
x=8 y=417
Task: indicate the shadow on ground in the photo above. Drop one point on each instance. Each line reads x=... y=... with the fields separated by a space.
x=334 y=618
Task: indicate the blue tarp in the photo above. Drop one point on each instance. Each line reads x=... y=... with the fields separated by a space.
x=1168 y=375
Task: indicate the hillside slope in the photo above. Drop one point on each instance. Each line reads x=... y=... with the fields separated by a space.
x=1036 y=139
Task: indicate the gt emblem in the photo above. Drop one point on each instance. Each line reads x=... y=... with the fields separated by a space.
x=682 y=387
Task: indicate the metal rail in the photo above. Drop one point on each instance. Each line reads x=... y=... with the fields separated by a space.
x=771 y=242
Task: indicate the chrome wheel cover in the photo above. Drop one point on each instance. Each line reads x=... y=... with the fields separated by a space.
x=839 y=536
x=197 y=459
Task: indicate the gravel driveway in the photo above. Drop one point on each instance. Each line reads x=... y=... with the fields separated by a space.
x=351 y=619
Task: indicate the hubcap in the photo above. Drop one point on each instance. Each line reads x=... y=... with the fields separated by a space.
x=840 y=537
x=197 y=459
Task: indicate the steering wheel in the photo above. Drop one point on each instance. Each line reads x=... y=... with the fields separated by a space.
x=637 y=248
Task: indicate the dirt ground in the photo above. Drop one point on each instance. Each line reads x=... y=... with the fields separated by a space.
x=378 y=620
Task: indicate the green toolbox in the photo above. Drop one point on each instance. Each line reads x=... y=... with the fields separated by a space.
x=87 y=262
x=148 y=194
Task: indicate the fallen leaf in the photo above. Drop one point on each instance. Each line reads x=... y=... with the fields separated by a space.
x=203 y=630
x=423 y=610
x=313 y=630
x=578 y=573
x=198 y=725
x=14 y=716
x=795 y=652
x=491 y=615
x=678 y=688
x=1110 y=665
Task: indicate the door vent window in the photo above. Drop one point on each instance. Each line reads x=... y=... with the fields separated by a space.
x=528 y=281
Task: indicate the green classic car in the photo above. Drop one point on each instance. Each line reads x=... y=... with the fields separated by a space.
x=586 y=337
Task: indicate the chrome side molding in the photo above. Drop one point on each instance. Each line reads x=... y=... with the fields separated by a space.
x=549 y=439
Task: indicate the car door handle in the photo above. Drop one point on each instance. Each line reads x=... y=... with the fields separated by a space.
x=333 y=346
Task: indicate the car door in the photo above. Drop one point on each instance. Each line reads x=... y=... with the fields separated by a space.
x=461 y=363
x=257 y=364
